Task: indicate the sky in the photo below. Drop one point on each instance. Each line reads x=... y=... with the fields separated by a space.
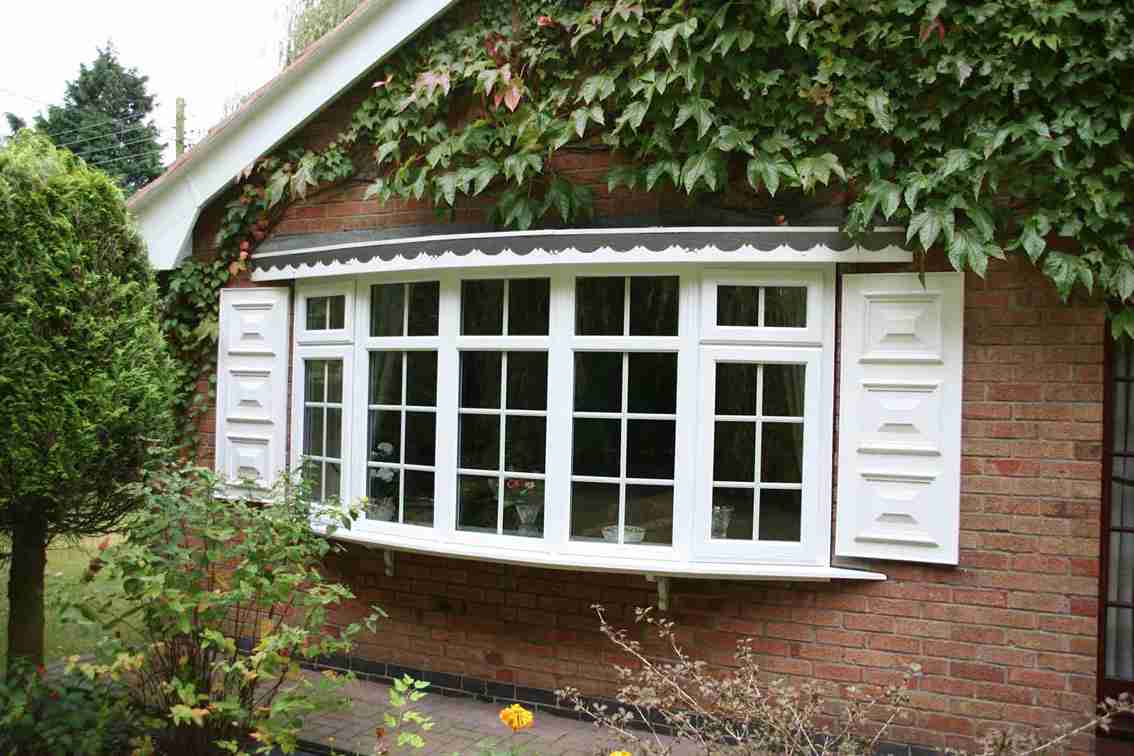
x=210 y=52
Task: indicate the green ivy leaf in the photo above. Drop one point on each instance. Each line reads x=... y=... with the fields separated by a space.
x=447 y=185
x=982 y=219
x=561 y=197
x=699 y=109
x=482 y=174
x=621 y=175
x=277 y=186
x=516 y=165
x=634 y=114
x=878 y=102
x=663 y=39
x=671 y=168
x=707 y=166
x=597 y=87
x=815 y=170
x=767 y=169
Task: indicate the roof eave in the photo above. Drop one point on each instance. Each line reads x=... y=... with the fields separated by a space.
x=168 y=208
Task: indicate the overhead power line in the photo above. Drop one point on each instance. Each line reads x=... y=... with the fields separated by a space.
x=67 y=118
x=108 y=136
x=135 y=156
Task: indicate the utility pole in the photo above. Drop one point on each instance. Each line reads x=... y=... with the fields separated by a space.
x=179 y=128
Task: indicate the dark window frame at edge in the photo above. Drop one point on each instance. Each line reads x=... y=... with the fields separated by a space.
x=1107 y=687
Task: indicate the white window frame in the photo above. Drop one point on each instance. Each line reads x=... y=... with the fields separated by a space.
x=324 y=336
x=697 y=343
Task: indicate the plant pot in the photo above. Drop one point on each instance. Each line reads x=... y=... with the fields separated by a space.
x=385 y=510
x=631 y=534
x=722 y=516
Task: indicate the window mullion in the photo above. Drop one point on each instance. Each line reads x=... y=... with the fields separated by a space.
x=448 y=387
x=624 y=424
x=560 y=398
x=503 y=425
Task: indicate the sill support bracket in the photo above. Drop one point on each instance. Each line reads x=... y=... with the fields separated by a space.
x=663 y=590
x=388 y=558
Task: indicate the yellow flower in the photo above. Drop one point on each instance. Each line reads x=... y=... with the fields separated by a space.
x=619 y=753
x=516 y=717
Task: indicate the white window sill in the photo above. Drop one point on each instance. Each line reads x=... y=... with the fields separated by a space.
x=632 y=564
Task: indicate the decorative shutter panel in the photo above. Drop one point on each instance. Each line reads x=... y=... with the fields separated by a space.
x=899 y=430
x=252 y=364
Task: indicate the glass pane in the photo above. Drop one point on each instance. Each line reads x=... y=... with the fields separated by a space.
x=476 y=503
x=337 y=318
x=384 y=436
x=1122 y=493
x=421 y=379
x=332 y=486
x=732 y=513
x=387 y=308
x=738 y=305
x=653 y=305
x=421 y=438
x=525 y=440
x=316 y=313
x=424 y=302
x=314 y=380
x=734 y=451
x=382 y=489
x=736 y=388
x=335 y=381
x=418 y=506
x=652 y=383
x=649 y=515
x=598 y=381
x=1119 y=648
x=482 y=308
x=781 y=453
x=596 y=447
x=313 y=431
x=650 y=448
x=599 y=306
x=523 y=507
x=480 y=379
x=1120 y=582
x=479 y=439
x=529 y=306
x=385 y=378
x=785 y=307
x=594 y=512
x=313 y=479
x=780 y=515
x=334 y=433
x=783 y=390
x=527 y=380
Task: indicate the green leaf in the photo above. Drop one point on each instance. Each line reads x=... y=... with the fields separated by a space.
x=767 y=169
x=928 y=225
x=672 y=168
x=597 y=87
x=1124 y=281
x=447 y=184
x=965 y=249
x=392 y=147
x=878 y=102
x=982 y=219
x=277 y=187
x=699 y=109
x=955 y=160
x=482 y=174
x=815 y=170
x=915 y=183
x=579 y=117
x=890 y=197
x=707 y=166
x=1033 y=235
x=633 y=115
x=621 y=175
x=1065 y=271
x=663 y=39
x=516 y=165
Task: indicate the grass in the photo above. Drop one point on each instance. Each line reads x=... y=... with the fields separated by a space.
x=66 y=563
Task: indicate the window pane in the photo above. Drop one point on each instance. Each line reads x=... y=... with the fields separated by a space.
x=476 y=503
x=736 y=388
x=650 y=448
x=313 y=431
x=337 y=318
x=384 y=436
x=313 y=480
x=424 y=303
x=732 y=513
x=1119 y=649
x=599 y=306
x=316 y=313
x=421 y=438
x=527 y=380
x=598 y=381
x=315 y=380
x=738 y=305
x=785 y=307
x=482 y=308
x=596 y=447
x=652 y=383
x=335 y=381
x=382 y=489
x=525 y=441
x=594 y=506
x=653 y=305
x=480 y=442
x=523 y=507
x=480 y=380
x=385 y=378
x=783 y=390
x=332 y=487
x=418 y=506
x=780 y=515
x=421 y=379
x=334 y=433
x=781 y=453
x=529 y=305
x=734 y=451
x=387 y=308
x=649 y=513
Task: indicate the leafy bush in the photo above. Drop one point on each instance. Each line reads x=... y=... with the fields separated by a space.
x=65 y=714
x=223 y=599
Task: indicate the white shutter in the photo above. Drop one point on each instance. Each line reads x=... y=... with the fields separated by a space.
x=252 y=365
x=899 y=427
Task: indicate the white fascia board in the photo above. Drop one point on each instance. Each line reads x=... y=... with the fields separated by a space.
x=167 y=213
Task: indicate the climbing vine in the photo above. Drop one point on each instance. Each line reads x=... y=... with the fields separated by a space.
x=986 y=128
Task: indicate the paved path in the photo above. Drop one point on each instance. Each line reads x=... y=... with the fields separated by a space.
x=463 y=726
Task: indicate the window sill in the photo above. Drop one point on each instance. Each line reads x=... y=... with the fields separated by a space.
x=634 y=565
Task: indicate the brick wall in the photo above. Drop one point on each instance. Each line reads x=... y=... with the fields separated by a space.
x=1008 y=637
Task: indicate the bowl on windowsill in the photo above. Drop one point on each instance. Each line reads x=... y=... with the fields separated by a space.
x=633 y=534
